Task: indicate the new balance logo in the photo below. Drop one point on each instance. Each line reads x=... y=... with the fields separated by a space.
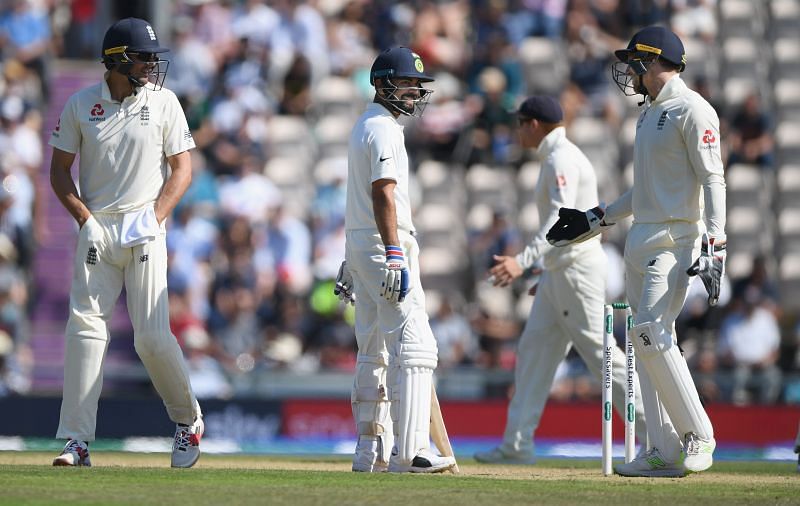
x=645 y=339
x=143 y=258
x=91 y=256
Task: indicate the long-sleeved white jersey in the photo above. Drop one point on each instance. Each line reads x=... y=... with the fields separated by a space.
x=676 y=155
x=566 y=179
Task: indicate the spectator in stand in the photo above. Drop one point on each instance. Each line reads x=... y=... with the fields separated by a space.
x=458 y=344
x=21 y=147
x=493 y=125
x=750 y=137
x=534 y=18
x=589 y=54
x=349 y=38
x=695 y=18
x=501 y=238
x=25 y=36
x=750 y=343
x=760 y=280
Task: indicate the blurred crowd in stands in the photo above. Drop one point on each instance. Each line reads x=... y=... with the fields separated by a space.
x=271 y=88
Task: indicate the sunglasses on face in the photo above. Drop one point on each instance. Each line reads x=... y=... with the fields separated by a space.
x=144 y=57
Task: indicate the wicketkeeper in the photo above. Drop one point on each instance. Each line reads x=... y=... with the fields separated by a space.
x=678 y=207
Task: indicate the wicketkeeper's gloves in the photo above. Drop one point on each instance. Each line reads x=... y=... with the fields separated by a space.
x=574 y=225
x=395 y=287
x=710 y=266
x=344 y=285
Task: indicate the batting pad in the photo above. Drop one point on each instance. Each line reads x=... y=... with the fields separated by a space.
x=670 y=377
x=370 y=403
x=411 y=410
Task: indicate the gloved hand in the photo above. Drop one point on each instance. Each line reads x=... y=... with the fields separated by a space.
x=344 y=285
x=710 y=266
x=574 y=225
x=395 y=286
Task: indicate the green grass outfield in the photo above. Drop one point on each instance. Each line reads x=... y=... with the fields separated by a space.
x=129 y=478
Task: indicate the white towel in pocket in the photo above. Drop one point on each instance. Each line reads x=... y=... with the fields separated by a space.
x=139 y=227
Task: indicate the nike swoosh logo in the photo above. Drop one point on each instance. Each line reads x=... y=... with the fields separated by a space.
x=384 y=159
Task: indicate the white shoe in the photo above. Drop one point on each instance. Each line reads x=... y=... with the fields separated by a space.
x=500 y=456
x=652 y=465
x=186 y=447
x=699 y=452
x=425 y=462
x=75 y=453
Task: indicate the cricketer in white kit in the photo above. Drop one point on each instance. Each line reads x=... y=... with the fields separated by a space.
x=397 y=352
x=678 y=207
x=133 y=142
x=570 y=295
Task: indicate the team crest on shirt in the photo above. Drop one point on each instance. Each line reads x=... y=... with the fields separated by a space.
x=561 y=181
x=97 y=113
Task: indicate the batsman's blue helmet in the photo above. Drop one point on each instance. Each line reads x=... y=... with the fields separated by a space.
x=398 y=61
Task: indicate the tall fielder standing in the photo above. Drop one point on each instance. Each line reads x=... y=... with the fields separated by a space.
x=678 y=207
x=570 y=296
x=134 y=144
x=396 y=348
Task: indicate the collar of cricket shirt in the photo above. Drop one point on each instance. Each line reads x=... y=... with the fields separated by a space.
x=672 y=88
x=377 y=109
x=549 y=142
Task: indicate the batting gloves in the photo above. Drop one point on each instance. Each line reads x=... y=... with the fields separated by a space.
x=344 y=285
x=574 y=225
x=710 y=266
x=395 y=286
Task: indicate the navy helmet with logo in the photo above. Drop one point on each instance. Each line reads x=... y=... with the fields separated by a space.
x=400 y=63
x=646 y=46
x=133 y=40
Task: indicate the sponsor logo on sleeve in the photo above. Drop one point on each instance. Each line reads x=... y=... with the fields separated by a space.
x=709 y=137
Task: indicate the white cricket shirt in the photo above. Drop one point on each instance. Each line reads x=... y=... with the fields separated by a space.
x=677 y=163
x=122 y=146
x=376 y=151
x=566 y=179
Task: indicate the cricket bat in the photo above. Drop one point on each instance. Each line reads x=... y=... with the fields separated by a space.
x=439 y=431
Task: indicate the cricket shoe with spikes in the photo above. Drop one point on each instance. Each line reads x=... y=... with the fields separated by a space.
x=650 y=465
x=500 y=456
x=75 y=453
x=186 y=446
x=699 y=452
x=424 y=462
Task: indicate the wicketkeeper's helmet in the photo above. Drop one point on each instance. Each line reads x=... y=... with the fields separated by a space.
x=646 y=46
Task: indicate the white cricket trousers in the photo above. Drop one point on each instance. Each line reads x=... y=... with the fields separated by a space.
x=100 y=269
x=400 y=330
x=567 y=311
x=657 y=256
